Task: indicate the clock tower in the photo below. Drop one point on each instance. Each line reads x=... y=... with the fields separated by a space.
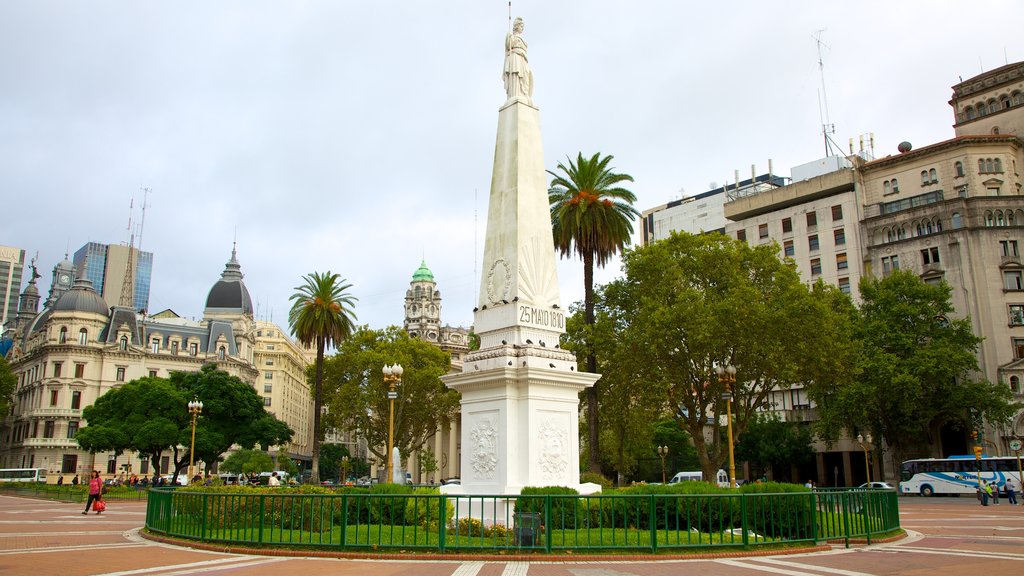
x=63 y=279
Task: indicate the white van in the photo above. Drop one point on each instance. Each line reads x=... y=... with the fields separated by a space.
x=721 y=478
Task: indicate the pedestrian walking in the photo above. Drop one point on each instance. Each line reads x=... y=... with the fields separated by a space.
x=60 y=480
x=995 y=492
x=74 y=481
x=95 y=492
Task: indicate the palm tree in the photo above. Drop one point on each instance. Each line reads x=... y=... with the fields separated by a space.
x=321 y=314
x=593 y=217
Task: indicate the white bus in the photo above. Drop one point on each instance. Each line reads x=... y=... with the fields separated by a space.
x=22 y=474
x=721 y=478
x=954 y=475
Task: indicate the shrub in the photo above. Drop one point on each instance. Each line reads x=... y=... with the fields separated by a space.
x=565 y=512
x=469 y=527
x=424 y=507
x=596 y=478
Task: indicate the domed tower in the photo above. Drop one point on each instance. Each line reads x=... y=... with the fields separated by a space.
x=423 y=306
x=62 y=281
x=28 y=304
x=229 y=315
x=229 y=297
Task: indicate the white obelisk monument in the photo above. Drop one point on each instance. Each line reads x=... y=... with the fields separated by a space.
x=520 y=391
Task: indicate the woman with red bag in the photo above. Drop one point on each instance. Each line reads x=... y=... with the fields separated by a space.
x=95 y=493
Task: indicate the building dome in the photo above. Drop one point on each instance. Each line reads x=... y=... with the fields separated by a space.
x=82 y=298
x=229 y=294
x=423 y=274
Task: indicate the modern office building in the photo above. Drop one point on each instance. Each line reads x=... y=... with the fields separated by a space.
x=105 y=264
x=12 y=264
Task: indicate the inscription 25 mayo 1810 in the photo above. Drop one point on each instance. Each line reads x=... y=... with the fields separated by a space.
x=541 y=317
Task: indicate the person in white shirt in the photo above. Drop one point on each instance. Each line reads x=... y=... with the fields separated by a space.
x=273 y=481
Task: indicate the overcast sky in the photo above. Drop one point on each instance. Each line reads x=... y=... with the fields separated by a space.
x=358 y=137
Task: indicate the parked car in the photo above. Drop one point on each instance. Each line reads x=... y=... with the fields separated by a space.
x=877 y=486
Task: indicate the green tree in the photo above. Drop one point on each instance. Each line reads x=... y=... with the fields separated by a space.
x=690 y=303
x=427 y=462
x=592 y=216
x=148 y=415
x=321 y=314
x=330 y=459
x=771 y=444
x=357 y=395
x=246 y=461
x=8 y=381
x=681 y=453
x=917 y=367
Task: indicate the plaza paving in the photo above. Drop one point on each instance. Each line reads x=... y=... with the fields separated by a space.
x=947 y=536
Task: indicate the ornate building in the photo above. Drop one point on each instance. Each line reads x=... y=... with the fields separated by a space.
x=79 y=348
x=282 y=383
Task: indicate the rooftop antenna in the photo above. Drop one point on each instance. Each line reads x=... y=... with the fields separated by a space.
x=142 y=222
x=827 y=127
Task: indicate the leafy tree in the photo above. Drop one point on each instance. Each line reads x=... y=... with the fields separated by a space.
x=150 y=415
x=916 y=367
x=357 y=395
x=321 y=314
x=681 y=453
x=8 y=381
x=591 y=215
x=427 y=462
x=772 y=444
x=246 y=461
x=285 y=463
x=690 y=303
x=330 y=459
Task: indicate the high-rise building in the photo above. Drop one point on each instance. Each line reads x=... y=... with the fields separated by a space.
x=282 y=363
x=105 y=264
x=12 y=262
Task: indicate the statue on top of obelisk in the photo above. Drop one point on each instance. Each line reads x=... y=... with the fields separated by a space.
x=518 y=76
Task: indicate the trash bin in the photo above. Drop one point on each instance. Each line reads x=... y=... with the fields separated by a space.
x=528 y=528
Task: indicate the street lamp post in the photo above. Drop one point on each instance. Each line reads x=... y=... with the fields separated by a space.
x=194 y=408
x=393 y=378
x=866 y=446
x=344 y=470
x=727 y=376
x=663 y=452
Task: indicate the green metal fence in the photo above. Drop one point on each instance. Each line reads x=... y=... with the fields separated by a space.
x=437 y=522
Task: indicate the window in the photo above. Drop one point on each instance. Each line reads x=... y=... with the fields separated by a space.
x=971 y=114
x=220 y=353
x=1018 y=347
x=266 y=400
x=152 y=373
x=787 y=248
x=924 y=178
x=1008 y=248
x=193 y=349
x=934 y=175
x=812 y=220
x=53 y=397
x=267 y=388
x=83 y=337
x=844 y=285
x=958 y=220
x=886 y=188
x=930 y=255
x=79 y=370
x=959 y=169
x=815 y=266
x=812 y=242
x=890 y=263
x=144 y=466
x=120 y=374
x=787 y=225
x=69 y=464
x=48 y=429
x=268 y=375
x=841 y=263
x=154 y=346
x=270 y=362
x=56 y=369
x=72 y=428
x=124 y=343
x=895 y=186
x=76 y=400
x=1016 y=314
x=271 y=346
x=741 y=235
x=1012 y=280
x=63 y=335
x=840 y=236
x=112 y=466
x=762 y=231
x=837 y=213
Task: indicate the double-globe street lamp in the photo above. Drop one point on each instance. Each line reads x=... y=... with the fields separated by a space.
x=663 y=452
x=727 y=376
x=865 y=444
x=194 y=408
x=393 y=378
x=344 y=471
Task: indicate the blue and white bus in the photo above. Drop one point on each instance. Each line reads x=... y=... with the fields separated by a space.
x=22 y=474
x=955 y=475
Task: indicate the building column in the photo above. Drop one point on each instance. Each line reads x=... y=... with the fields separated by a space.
x=453 y=449
x=847 y=469
x=438 y=440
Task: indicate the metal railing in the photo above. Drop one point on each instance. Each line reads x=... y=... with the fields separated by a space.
x=437 y=522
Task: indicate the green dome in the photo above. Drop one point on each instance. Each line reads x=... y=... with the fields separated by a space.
x=423 y=274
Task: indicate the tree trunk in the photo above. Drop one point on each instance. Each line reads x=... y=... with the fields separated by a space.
x=314 y=476
x=593 y=454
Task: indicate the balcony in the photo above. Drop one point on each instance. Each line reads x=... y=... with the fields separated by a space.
x=50 y=443
x=54 y=413
x=801 y=413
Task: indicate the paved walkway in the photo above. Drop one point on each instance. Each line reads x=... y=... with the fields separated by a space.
x=949 y=536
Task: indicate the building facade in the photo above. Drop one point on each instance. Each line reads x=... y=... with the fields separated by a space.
x=105 y=266
x=282 y=364
x=12 y=264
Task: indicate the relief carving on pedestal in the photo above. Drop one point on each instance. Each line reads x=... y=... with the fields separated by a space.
x=484 y=457
x=554 y=453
